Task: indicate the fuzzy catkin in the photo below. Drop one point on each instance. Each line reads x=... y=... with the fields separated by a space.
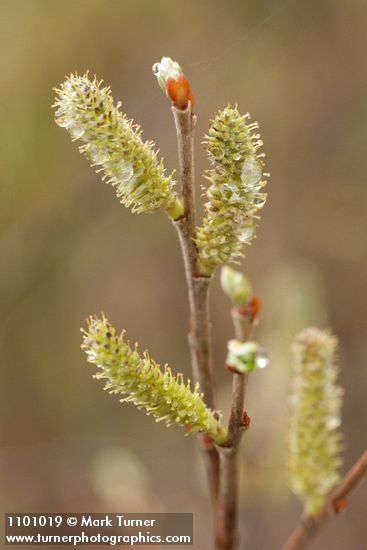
x=315 y=417
x=113 y=143
x=235 y=195
x=161 y=394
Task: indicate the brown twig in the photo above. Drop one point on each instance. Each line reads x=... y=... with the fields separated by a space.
x=309 y=526
x=198 y=286
x=243 y=325
x=227 y=508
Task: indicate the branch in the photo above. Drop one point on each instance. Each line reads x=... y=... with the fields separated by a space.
x=198 y=286
x=309 y=526
x=227 y=511
x=243 y=325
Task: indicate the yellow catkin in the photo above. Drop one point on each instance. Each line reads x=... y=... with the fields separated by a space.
x=113 y=143
x=315 y=417
x=161 y=394
x=235 y=194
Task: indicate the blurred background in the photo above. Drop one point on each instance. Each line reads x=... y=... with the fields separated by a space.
x=69 y=249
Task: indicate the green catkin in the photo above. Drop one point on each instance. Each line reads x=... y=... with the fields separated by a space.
x=315 y=417
x=235 y=195
x=161 y=394
x=113 y=143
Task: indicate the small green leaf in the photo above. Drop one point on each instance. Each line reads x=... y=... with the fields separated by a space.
x=246 y=356
x=236 y=286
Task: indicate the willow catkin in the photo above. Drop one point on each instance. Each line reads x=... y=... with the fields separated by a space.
x=160 y=393
x=315 y=417
x=235 y=195
x=114 y=144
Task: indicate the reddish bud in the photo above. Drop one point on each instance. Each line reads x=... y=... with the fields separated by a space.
x=206 y=442
x=246 y=420
x=251 y=309
x=340 y=505
x=179 y=92
x=231 y=369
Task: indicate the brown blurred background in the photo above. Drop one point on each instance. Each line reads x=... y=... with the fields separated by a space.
x=68 y=249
